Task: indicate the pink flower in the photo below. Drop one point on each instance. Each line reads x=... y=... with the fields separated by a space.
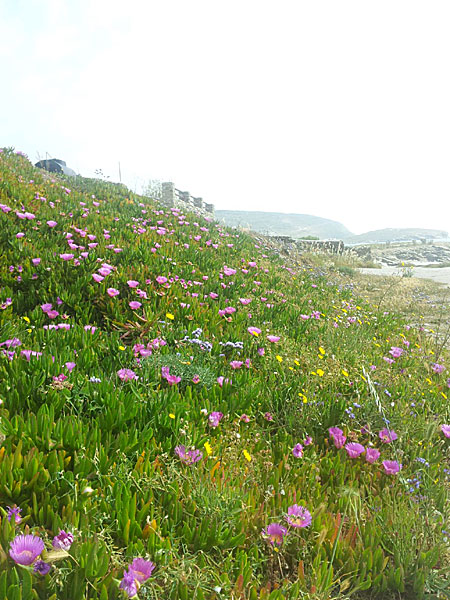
x=446 y=430
x=298 y=516
x=224 y=380
x=372 y=454
x=126 y=374
x=134 y=304
x=228 y=271
x=275 y=533
x=297 y=451
x=96 y=277
x=391 y=467
x=261 y=351
x=387 y=436
x=66 y=256
x=254 y=331
x=161 y=279
x=245 y=418
x=236 y=364
x=337 y=436
x=52 y=223
x=112 y=292
x=308 y=441
x=214 y=419
x=196 y=379
x=436 y=368
x=354 y=449
x=273 y=338
x=396 y=352
x=70 y=366
x=132 y=283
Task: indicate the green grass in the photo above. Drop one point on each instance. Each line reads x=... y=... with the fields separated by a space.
x=94 y=455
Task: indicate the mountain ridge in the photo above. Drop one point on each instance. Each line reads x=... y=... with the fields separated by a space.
x=298 y=225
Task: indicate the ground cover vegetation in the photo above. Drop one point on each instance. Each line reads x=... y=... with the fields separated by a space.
x=187 y=413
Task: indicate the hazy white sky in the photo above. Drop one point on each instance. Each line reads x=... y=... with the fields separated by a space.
x=337 y=108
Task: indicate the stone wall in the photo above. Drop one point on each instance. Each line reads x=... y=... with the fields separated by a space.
x=175 y=198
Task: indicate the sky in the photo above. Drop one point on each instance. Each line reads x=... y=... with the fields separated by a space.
x=339 y=109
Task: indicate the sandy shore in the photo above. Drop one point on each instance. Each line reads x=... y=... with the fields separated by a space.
x=438 y=275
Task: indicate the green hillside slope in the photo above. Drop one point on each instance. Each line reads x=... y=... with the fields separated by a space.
x=184 y=414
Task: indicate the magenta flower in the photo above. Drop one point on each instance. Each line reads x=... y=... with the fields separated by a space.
x=132 y=283
x=24 y=549
x=224 y=380
x=338 y=437
x=14 y=511
x=96 y=277
x=391 y=467
x=446 y=430
x=236 y=364
x=41 y=567
x=112 y=292
x=70 y=366
x=297 y=451
x=387 y=436
x=261 y=351
x=66 y=256
x=372 y=454
x=62 y=541
x=273 y=338
x=141 y=569
x=354 y=449
x=308 y=441
x=134 y=304
x=35 y=261
x=228 y=271
x=275 y=533
x=215 y=418
x=128 y=584
x=52 y=223
x=396 y=352
x=245 y=418
x=126 y=374
x=196 y=379
x=161 y=279
x=188 y=457
x=298 y=516
x=254 y=331
x=436 y=368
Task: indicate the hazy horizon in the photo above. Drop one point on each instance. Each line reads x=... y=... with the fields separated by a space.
x=338 y=110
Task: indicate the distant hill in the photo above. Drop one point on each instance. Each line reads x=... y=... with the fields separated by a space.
x=275 y=223
x=396 y=235
x=298 y=226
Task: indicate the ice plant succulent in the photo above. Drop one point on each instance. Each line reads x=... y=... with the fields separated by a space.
x=298 y=516
x=275 y=533
x=24 y=549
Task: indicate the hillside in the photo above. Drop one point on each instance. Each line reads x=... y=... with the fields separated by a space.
x=396 y=235
x=299 y=225
x=186 y=413
x=276 y=223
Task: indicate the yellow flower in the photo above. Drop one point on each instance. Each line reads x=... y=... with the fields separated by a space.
x=170 y=316
x=320 y=373
x=344 y=373
x=208 y=448
x=321 y=350
x=247 y=455
x=296 y=363
x=171 y=416
x=279 y=358
x=26 y=319
x=121 y=347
